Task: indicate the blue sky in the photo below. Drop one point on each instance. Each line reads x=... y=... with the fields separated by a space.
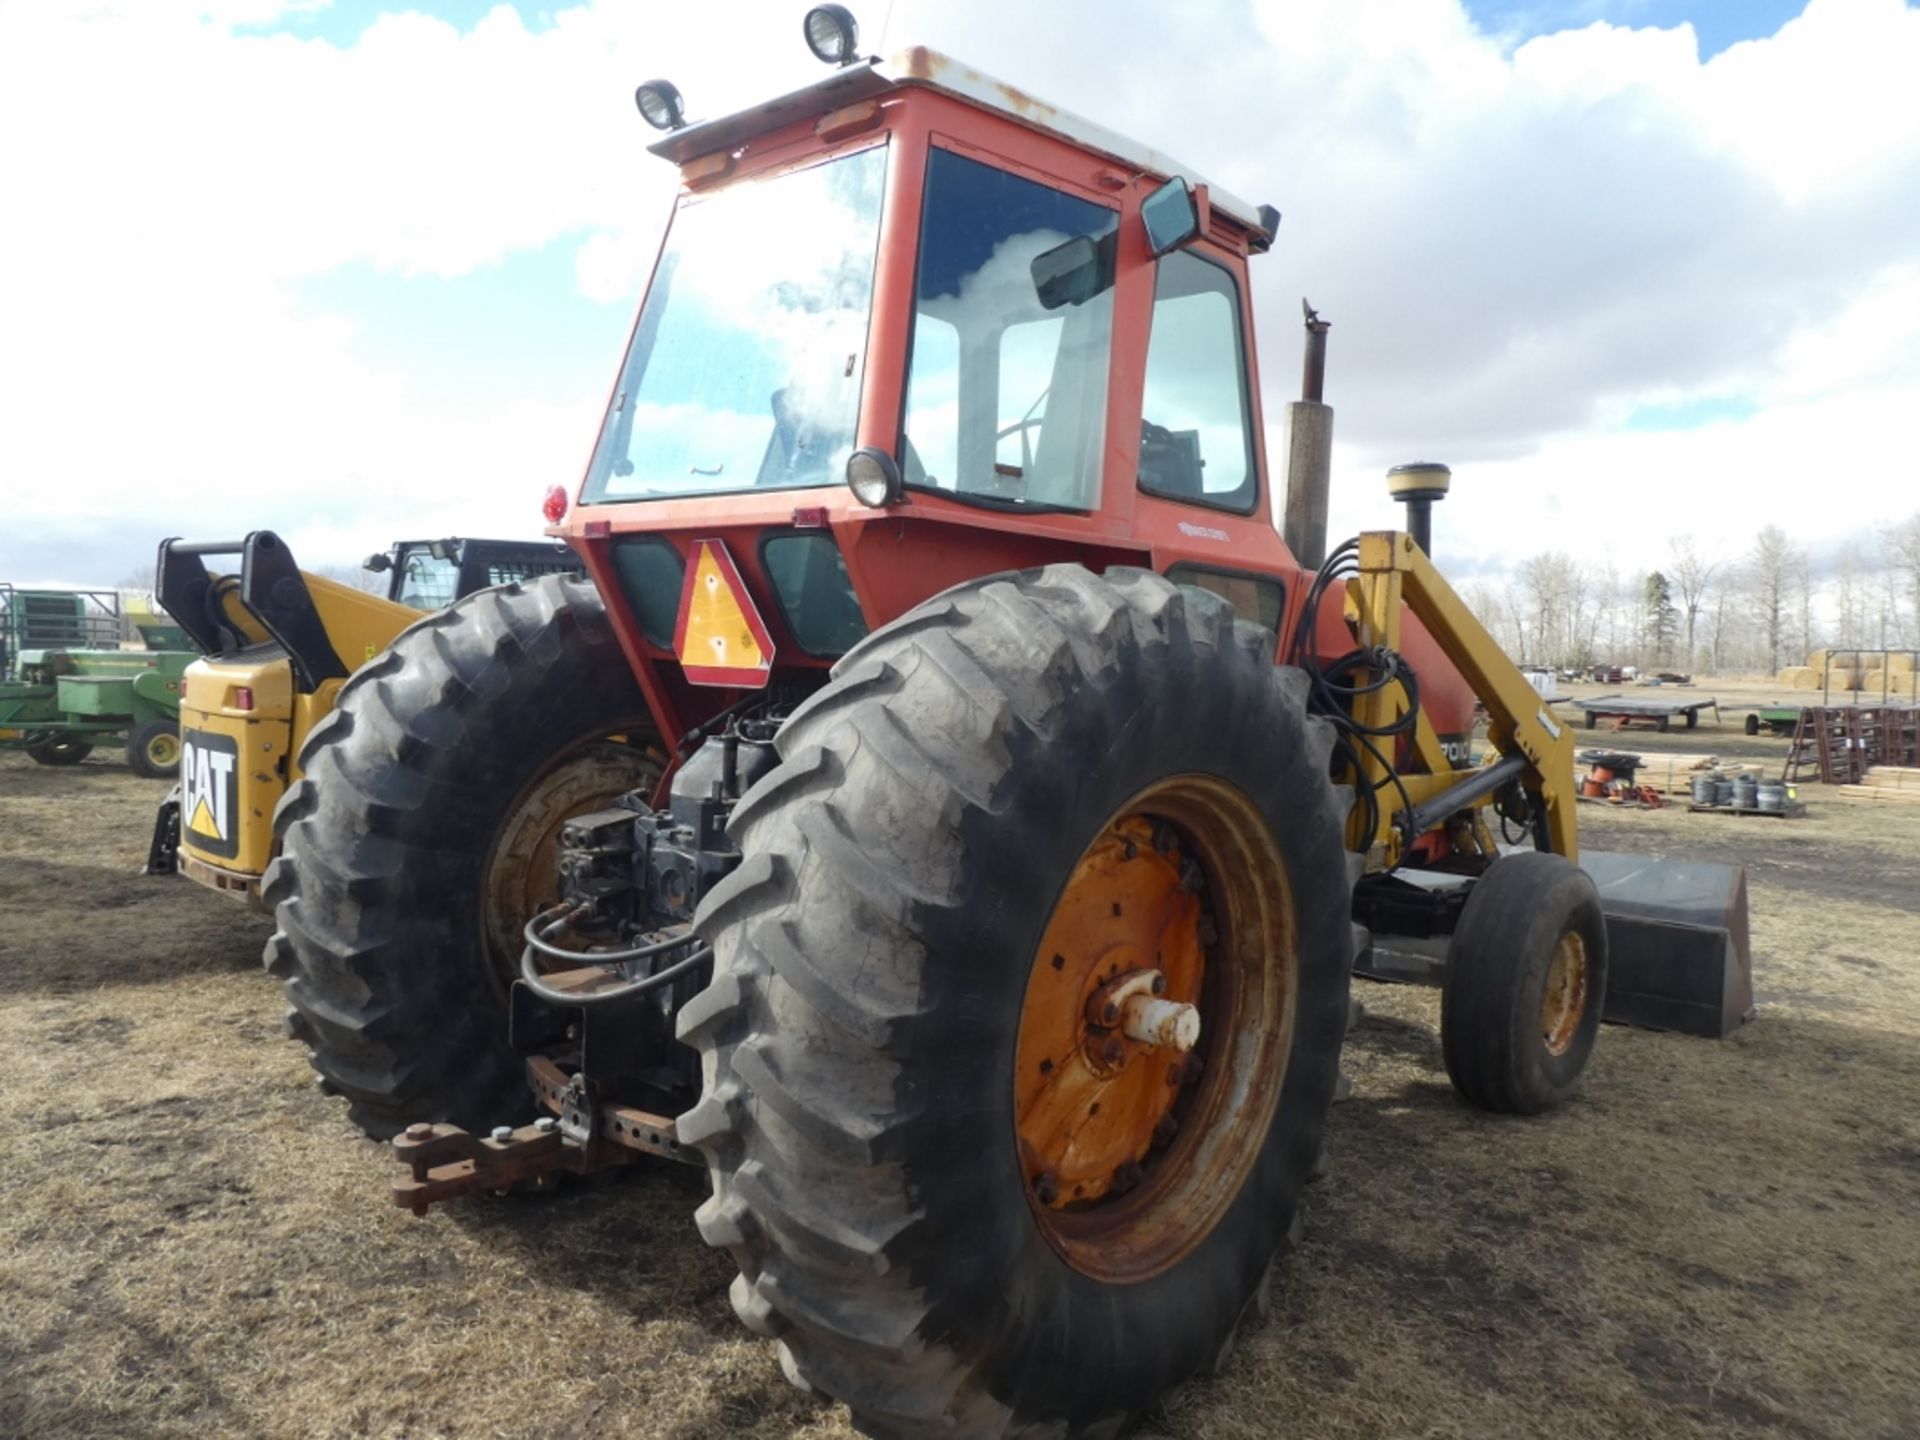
x=343 y=22
x=1717 y=23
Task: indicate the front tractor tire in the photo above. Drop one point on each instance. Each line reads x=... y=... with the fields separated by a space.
x=422 y=836
x=1526 y=984
x=963 y=1196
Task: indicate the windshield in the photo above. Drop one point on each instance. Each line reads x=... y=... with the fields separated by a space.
x=426 y=582
x=1007 y=382
x=746 y=364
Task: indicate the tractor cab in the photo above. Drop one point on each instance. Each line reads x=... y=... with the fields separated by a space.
x=432 y=574
x=909 y=325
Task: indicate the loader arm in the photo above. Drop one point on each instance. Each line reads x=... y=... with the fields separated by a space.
x=1529 y=745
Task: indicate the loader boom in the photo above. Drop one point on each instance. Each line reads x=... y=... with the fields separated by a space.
x=1530 y=747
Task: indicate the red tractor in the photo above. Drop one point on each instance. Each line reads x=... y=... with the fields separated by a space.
x=986 y=922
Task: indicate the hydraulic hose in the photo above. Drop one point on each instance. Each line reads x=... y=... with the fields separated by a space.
x=536 y=934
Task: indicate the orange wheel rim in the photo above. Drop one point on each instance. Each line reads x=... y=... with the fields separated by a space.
x=1563 y=1005
x=1131 y=1144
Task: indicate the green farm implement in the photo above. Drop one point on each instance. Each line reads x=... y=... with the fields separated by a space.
x=66 y=691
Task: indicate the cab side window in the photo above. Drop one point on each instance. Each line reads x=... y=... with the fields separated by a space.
x=1195 y=436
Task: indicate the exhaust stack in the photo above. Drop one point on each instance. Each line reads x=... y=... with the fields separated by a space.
x=1309 y=452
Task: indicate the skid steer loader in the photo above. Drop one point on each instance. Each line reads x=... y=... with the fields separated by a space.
x=279 y=644
x=988 y=933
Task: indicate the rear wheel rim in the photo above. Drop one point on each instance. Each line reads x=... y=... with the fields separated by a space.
x=163 y=750
x=1563 y=1005
x=1132 y=1152
x=522 y=865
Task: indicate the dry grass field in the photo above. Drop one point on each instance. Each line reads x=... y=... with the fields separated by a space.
x=1714 y=1239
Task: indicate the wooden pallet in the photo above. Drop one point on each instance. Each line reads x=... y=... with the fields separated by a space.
x=1794 y=809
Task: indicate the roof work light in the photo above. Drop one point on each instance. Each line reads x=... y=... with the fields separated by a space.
x=660 y=105
x=832 y=34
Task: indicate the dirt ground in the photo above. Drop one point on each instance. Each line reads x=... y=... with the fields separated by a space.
x=1713 y=1239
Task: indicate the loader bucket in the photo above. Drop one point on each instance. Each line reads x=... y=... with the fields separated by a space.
x=1678 y=955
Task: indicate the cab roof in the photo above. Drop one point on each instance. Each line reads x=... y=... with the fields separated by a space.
x=929 y=69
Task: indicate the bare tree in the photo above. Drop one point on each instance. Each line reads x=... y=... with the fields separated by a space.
x=1902 y=549
x=1691 y=574
x=1800 y=579
x=1769 y=589
x=1731 y=582
x=1849 y=598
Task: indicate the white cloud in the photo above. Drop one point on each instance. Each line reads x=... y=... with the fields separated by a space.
x=1518 y=245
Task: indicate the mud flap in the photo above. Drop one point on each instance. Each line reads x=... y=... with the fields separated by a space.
x=1678 y=952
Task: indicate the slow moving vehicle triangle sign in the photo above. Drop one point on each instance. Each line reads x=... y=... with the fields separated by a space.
x=720 y=637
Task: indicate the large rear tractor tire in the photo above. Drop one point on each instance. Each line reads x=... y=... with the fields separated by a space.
x=422 y=836
x=965 y=1196
x=1526 y=984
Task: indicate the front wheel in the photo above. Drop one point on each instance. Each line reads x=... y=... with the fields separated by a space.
x=1526 y=984
x=1027 y=1005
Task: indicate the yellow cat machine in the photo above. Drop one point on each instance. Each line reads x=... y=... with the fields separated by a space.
x=280 y=642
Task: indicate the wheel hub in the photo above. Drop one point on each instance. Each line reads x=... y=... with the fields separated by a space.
x=1093 y=1095
x=1154 y=1030
x=1563 y=1003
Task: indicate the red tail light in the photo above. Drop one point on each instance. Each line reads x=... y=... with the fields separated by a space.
x=554 y=507
x=243 y=697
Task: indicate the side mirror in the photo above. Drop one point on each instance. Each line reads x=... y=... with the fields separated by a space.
x=1073 y=272
x=377 y=562
x=1170 y=216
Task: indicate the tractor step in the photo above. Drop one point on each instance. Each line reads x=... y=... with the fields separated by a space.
x=444 y=1162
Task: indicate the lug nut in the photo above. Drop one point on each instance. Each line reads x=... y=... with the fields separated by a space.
x=546 y=1124
x=1164 y=1132
x=1114 y=1051
x=1124 y=1179
x=502 y=1134
x=1046 y=1189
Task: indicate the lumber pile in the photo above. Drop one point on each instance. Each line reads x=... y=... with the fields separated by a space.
x=1887 y=785
x=1881 y=794
x=1894 y=777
